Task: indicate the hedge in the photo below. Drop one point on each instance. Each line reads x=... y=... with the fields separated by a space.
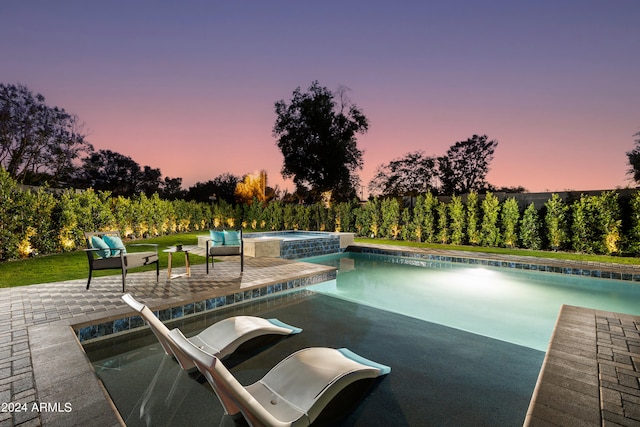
x=45 y=222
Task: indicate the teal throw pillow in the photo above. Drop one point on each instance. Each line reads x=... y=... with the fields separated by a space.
x=217 y=237
x=231 y=238
x=98 y=243
x=114 y=243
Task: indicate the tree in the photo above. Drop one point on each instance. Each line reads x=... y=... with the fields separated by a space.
x=510 y=217
x=633 y=235
x=443 y=222
x=473 y=219
x=172 y=189
x=584 y=225
x=556 y=221
x=409 y=175
x=38 y=143
x=222 y=187
x=345 y=215
x=253 y=186
x=317 y=138
x=407 y=231
x=489 y=231
x=429 y=225
x=419 y=213
x=107 y=170
x=634 y=160
x=368 y=218
x=465 y=165
x=610 y=222
x=457 y=214
x=150 y=181
x=390 y=224
x=530 y=228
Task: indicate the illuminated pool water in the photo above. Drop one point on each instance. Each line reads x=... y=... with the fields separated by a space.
x=516 y=306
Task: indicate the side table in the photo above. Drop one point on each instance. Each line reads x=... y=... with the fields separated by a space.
x=186 y=249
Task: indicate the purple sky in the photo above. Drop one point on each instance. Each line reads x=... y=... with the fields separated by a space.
x=189 y=86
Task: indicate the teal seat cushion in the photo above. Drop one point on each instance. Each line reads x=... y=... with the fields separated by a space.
x=104 y=250
x=231 y=238
x=217 y=238
x=114 y=243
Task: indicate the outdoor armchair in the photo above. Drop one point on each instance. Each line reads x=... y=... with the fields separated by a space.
x=225 y=243
x=105 y=251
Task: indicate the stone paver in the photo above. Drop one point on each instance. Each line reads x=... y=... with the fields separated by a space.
x=590 y=373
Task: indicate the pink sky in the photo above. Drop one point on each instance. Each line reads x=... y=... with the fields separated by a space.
x=189 y=87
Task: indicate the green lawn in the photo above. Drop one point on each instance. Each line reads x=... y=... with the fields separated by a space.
x=73 y=265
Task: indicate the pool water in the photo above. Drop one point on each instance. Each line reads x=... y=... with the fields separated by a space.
x=292 y=235
x=516 y=306
x=440 y=375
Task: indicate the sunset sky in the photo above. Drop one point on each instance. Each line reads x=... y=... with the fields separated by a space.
x=189 y=86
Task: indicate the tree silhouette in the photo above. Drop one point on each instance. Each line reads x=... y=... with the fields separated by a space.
x=316 y=136
x=465 y=165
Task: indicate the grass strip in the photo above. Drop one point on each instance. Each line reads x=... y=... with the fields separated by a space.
x=74 y=265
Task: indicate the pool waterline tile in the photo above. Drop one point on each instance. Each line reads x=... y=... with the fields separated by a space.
x=132 y=323
x=608 y=271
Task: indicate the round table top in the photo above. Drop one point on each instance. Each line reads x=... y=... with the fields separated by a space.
x=181 y=248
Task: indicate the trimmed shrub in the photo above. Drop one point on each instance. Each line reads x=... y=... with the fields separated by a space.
x=530 y=228
x=473 y=219
x=457 y=215
x=510 y=216
x=556 y=222
x=489 y=232
x=443 y=222
x=390 y=225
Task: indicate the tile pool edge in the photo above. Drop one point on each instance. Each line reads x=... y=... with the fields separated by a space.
x=584 y=269
x=125 y=322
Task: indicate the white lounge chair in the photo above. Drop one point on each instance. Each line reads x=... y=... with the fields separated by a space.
x=220 y=339
x=294 y=392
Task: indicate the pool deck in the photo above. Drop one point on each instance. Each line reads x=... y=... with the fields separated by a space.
x=590 y=375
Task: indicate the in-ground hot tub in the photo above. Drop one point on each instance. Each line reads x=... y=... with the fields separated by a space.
x=292 y=244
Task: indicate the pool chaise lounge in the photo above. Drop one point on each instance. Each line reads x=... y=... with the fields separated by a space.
x=294 y=392
x=220 y=339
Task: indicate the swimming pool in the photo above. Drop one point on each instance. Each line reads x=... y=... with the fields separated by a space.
x=465 y=343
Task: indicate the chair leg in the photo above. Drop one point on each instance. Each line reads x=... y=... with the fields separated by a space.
x=212 y=264
x=89 y=281
x=124 y=277
x=157 y=271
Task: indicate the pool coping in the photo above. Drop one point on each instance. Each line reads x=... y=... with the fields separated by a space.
x=590 y=373
x=26 y=376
